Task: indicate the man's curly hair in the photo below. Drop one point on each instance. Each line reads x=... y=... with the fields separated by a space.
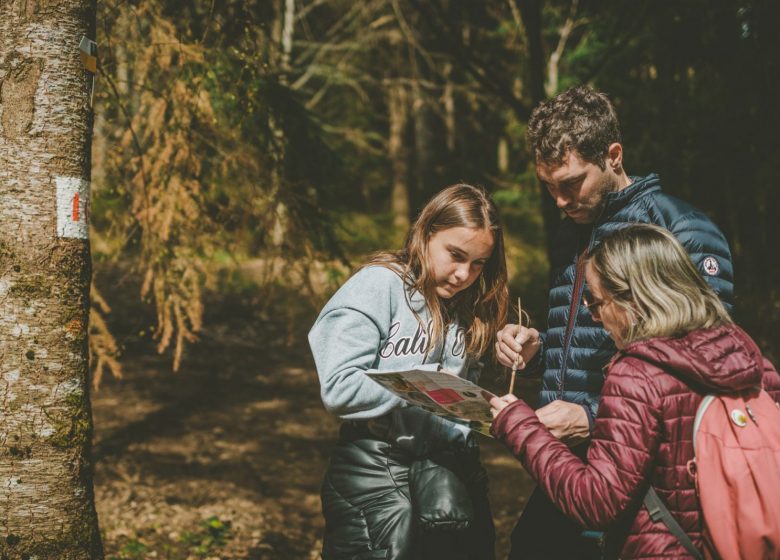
x=579 y=119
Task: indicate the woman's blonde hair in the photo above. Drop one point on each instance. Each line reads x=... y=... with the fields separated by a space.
x=481 y=309
x=648 y=274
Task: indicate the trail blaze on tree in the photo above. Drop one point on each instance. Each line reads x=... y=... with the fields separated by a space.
x=46 y=500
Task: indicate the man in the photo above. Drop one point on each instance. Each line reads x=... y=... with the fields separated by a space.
x=576 y=140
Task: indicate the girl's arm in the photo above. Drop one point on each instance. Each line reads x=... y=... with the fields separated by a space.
x=347 y=337
x=345 y=343
x=625 y=440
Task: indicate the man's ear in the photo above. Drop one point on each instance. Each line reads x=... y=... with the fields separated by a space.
x=615 y=157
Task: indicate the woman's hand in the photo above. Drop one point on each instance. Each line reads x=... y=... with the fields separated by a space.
x=516 y=345
x=497 y=404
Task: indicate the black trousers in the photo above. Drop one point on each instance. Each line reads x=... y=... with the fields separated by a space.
x=543 y=532
x=372 y=509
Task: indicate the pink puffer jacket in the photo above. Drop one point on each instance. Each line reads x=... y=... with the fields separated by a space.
x=642 y=434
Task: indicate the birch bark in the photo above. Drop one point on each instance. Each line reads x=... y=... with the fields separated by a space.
x=46 y=496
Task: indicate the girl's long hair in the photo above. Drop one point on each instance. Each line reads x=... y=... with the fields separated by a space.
x=648 y=274
x=481 y=309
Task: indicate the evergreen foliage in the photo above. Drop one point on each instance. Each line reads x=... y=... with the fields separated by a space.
x=265 y=131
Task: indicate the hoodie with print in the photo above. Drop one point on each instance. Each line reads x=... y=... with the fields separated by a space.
x=375 y=322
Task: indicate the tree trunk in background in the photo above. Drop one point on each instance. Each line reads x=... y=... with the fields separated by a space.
x=502 y=155
x=449 y=109
x=424 y=145
x=283 y=39
x=399 y=115
x=46 y=497
x=531 y=13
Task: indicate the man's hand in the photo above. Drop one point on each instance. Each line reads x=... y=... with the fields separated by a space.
x=497 y=404
x=516 y=345
x=566 y=421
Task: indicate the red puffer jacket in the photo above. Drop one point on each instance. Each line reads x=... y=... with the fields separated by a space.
x=642 y=434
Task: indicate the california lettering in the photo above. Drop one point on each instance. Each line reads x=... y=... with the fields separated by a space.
x=418 y=343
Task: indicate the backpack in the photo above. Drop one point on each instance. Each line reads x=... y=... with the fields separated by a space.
x=736 y=466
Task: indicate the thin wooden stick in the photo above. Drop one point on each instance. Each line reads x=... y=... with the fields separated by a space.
x=515 y=365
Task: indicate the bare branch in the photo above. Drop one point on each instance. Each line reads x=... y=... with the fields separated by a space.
x=551 y=87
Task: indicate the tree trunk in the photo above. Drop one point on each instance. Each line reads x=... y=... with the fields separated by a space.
x=46 y=498
x=449 y=109
x=283 y=37
x=424 y=145
x=531 y=13
x=399 y=116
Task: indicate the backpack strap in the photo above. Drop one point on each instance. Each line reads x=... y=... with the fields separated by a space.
x=659 y=512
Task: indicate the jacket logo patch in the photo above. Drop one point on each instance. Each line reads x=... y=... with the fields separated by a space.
x=711 y=266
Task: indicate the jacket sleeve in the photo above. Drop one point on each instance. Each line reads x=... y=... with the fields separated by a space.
x=625 y=440
x=771 y=380
x=709 y=251
x=591 y=406
x=535 y=367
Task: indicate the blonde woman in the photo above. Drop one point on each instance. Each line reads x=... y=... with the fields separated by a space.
x=675 y=344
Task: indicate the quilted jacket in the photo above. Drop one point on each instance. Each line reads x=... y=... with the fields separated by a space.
x=642 y=435
x=575 y=349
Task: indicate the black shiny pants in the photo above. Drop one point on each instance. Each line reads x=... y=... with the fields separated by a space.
x=373 y=510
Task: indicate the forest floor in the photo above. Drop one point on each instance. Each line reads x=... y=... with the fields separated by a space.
x=224 y=459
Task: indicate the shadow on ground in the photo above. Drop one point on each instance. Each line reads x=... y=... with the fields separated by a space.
x=224 y=459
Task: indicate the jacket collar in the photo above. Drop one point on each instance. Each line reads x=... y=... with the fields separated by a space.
x=721 y=358
x=639 y=187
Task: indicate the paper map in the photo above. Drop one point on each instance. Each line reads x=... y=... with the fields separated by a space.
x=441 y=393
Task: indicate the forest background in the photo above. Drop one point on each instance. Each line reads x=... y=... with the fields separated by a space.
x=248 y=154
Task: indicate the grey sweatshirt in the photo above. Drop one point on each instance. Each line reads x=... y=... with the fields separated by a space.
x=370 y=325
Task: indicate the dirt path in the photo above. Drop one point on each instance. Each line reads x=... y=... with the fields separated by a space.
x=225 y=458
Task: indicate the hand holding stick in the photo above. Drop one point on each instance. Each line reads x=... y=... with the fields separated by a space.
x=517 y=360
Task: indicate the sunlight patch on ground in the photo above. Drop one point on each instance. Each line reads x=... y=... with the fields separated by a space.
x=502 y=461
x=312 y=431
x=273 y=404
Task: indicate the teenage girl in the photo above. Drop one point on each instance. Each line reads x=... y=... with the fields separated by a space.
x=403 y=483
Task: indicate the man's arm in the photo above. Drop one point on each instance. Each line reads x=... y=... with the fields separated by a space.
x=569 y=422
x=709 y=251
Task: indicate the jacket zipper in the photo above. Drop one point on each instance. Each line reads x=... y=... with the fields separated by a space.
x=579 y=276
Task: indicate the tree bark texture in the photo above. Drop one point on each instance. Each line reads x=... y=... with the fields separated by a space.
x=46 y=496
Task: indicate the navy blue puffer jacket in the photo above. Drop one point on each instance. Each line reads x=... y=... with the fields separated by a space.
x=575 y=349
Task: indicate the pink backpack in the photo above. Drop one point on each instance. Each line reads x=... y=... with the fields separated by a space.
x=736 y=442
